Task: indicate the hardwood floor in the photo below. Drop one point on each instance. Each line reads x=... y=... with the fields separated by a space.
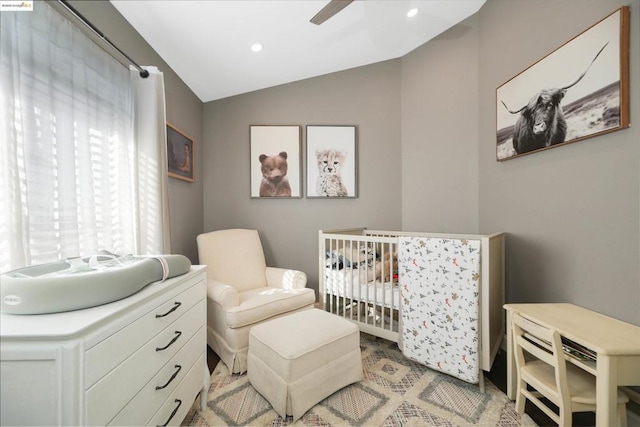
x=497 y=376
x=212 y=359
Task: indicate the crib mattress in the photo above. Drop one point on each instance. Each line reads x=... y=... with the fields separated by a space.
x=352 y=284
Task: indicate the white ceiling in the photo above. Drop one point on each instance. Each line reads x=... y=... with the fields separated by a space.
x=207 y=42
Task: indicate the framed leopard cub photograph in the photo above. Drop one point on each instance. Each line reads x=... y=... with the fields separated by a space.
x=331 y=161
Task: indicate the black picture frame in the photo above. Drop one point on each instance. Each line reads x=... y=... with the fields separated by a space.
x=180 y=154
x=271 y=148
x=328 y=147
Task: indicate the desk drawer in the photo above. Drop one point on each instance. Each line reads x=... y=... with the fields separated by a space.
x=117 y=388
x=176 y=407
x=108 y=354
x=148 y=401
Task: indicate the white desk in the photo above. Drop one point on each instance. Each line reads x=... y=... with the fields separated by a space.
x=616 y=343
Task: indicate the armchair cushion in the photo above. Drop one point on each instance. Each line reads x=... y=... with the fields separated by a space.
x=233 y=256
x=257 y=305
x=225 y=295
x=285 y=278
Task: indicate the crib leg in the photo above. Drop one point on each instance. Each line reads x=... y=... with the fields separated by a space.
x=481 y=381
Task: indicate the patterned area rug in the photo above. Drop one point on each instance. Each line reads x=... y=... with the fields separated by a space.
x=395 y=392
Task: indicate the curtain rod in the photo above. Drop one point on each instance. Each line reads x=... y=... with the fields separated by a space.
x=143 y=73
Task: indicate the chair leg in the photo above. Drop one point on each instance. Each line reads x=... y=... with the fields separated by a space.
x=622 y=415
x=520 y=399
x=565 y=418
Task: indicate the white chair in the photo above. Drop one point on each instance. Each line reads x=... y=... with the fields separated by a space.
x=242 y=291
x=544 y=368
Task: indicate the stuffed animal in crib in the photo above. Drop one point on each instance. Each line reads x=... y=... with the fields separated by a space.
x=381 y=269
x=353 y=257
x=274 y=176
x=388 y=267
x=329 y=182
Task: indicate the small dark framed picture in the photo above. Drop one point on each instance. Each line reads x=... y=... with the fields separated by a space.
x=332 y=162
x=275 y=162
x=180 y=151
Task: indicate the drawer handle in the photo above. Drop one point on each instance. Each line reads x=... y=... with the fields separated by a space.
x=178 y=333
x=173 y=377
x=174 y=308
x=179 y=402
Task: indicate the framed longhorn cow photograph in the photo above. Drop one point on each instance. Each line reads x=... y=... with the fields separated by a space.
x=578 y=91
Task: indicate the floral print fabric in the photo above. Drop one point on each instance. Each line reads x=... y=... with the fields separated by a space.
x=439 y=290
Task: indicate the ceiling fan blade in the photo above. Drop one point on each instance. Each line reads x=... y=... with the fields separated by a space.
x=329 y=10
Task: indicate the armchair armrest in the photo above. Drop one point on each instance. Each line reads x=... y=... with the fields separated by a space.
x=285 y=278
x=222 y=293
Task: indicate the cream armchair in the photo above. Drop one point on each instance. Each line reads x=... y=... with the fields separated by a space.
x=242 y=291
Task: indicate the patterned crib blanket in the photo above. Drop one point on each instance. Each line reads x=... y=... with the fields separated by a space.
x=439 y=291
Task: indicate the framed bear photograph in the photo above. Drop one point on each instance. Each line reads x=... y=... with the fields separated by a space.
x=275 y=161
x=332 y=162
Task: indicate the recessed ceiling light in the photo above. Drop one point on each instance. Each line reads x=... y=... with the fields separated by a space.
x=256 y=47
x=413 y=12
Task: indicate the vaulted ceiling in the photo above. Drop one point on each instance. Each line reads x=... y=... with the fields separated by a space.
x=208 y=42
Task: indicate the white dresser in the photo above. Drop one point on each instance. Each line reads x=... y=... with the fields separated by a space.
x=138 y=361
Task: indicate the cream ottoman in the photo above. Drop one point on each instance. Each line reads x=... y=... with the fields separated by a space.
x=298 y=360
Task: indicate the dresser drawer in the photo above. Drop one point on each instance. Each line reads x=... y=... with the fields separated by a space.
x=54 y=348
x=116 y=389
x=176 y=407
x=150 y=398
x=109 y=353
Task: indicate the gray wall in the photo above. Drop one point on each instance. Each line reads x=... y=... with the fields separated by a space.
x=439 y=94
x=368 y=97
x=427 y=160
x=184 y=110
x=426 y=125
x=572 y=213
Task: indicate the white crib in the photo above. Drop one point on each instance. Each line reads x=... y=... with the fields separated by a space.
x=439 y=296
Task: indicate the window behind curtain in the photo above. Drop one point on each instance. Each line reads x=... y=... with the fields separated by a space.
x=67 y=155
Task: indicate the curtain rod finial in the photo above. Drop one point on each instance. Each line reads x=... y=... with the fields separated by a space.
x=144 y=74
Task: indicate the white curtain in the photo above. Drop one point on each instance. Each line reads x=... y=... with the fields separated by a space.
x=74 y=178
x=151 y=142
